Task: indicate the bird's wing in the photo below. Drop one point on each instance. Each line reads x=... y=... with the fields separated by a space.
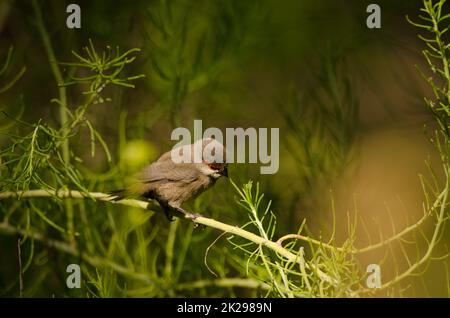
x=168 y=171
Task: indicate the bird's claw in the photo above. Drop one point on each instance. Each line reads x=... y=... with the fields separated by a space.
x=193 y=216
x=187 y=215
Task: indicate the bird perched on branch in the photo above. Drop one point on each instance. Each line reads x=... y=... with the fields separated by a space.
x=178 y=176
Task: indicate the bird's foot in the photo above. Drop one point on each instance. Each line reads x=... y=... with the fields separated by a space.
x=193 y=216
x=189 y=215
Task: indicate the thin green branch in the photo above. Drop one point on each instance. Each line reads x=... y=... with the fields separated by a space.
x=371 y=247
x=69 y=249
x=225 y=283
x=65 y=194
x=62 y=106
x=426 y=257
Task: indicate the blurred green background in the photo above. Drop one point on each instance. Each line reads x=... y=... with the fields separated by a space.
x=347 y=99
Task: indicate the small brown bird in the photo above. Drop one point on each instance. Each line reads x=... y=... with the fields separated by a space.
x=172 y=183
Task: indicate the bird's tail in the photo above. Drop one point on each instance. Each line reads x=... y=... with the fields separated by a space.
x=117 y=195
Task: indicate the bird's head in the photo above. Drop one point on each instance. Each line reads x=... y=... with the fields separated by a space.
x=214 y=162
x=216 y=170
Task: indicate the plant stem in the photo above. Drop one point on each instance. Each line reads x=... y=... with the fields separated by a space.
x=19 y=254
x=431 y=245
x=225 y=282
x=442 y=50
x=248 y=283
x=62 y=109
x=437 y=203
x=235 y=230
x=67 y=248
x=169 y=249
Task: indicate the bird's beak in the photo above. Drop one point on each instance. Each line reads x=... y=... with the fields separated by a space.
x=224 y=172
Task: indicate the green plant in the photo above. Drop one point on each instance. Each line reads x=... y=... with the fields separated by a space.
x=4 y=69
x=48 y=197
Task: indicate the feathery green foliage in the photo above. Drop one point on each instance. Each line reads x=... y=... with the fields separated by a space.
x=129 y=251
